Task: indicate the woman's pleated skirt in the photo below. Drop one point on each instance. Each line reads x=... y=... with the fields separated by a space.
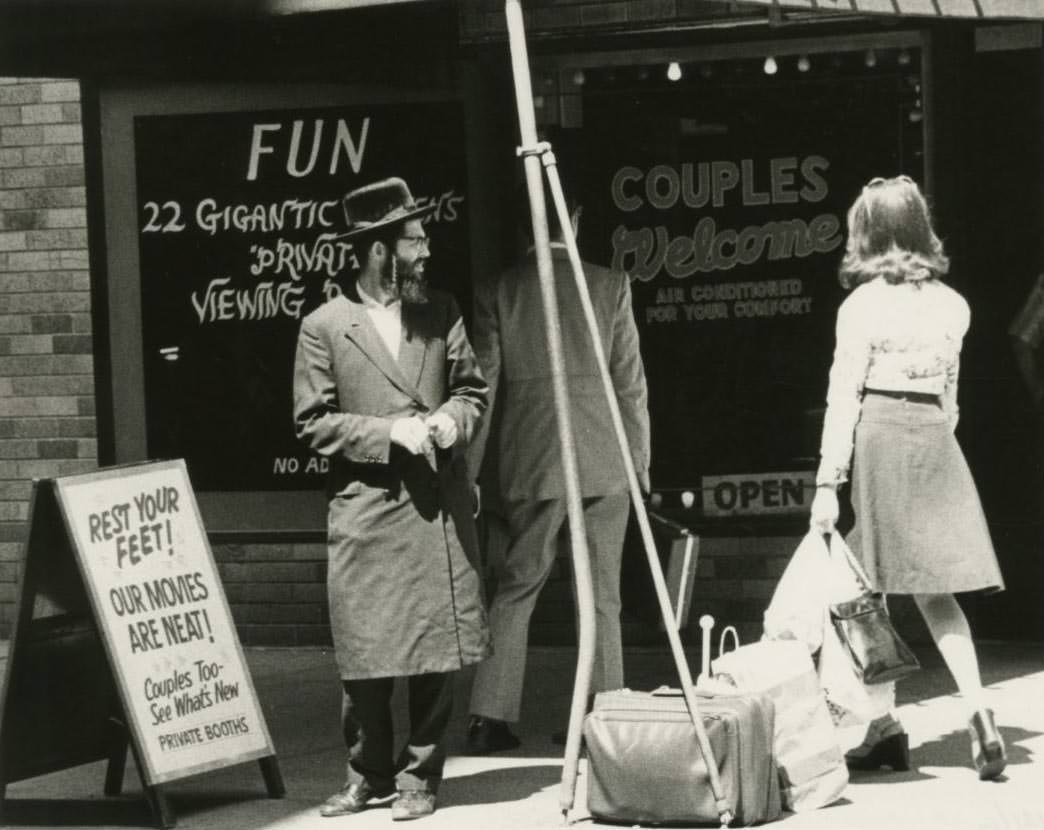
x=919 y=525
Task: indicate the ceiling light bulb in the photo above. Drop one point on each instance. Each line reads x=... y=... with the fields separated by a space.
x=770 y=66
x=674 y=72
x=904 y=58
x=804 y=64
x=870 y=58
x=578 y=77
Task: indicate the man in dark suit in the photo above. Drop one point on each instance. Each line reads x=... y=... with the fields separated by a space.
x=510 y=343
x=387 y=387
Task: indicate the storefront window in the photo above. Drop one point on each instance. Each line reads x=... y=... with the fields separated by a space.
x=722 y=187
x=240 y=238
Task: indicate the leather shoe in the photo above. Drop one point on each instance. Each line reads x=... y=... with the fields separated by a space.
x=886 y=745
x=893 y=751
x=354 y=798
x=413 y=804
x=487 y=735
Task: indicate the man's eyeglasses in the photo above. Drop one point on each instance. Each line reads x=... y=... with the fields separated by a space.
x=418 y=242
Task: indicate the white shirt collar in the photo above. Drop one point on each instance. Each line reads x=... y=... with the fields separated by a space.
x=370 y=302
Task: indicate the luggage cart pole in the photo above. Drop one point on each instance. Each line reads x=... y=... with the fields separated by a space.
x=662 y=593
x=533 y=153
x=529 y=150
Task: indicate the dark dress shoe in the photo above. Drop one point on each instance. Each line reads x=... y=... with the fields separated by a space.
x=413 y=804
x=893 y=751
x=487 y=735
x=987 y=746
x=354 y=798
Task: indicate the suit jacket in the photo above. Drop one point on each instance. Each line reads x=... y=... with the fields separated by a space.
x=404 y=595
x=511 y=347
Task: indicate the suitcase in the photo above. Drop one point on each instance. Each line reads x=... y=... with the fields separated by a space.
x=645 y=764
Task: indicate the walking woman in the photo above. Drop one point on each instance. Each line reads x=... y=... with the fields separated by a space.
x=891 y=411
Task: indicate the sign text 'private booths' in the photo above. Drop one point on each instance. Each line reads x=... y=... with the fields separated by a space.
x=724 y=197
x=239 y=237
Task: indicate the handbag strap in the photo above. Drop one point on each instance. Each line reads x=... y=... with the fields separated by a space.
x=853 y=563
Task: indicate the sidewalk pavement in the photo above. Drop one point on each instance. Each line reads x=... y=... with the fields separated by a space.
x=520 y=790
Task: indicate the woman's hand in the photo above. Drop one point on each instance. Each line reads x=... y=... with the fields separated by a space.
x=824 y=509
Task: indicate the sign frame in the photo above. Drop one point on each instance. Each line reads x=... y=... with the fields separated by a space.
x=59 y=619
x=152 y=776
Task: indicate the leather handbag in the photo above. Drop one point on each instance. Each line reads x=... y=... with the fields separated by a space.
x=865 y=629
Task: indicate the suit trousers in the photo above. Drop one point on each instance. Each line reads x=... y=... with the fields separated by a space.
x=366 y=720
x=530 y=556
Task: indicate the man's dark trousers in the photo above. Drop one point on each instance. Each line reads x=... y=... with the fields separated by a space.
x=366 y=719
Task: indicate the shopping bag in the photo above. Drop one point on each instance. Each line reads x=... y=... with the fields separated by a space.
x=710 y=681
x=849 y=699
x=863 y=626
x=805 y=588
x=841 y=583
x=811 y=765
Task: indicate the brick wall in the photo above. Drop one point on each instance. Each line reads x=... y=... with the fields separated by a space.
x=277 y=592
x=734 y=580
x=47 y=424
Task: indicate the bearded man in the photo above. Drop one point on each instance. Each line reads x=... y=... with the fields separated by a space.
x=387 y=387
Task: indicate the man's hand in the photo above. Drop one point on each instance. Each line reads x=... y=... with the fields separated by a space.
x=443 y=429
x=824 y=510
x=412 y=435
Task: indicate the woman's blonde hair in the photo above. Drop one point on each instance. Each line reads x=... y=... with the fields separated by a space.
x=890 y=235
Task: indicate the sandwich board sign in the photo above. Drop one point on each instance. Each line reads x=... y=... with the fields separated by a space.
x=119 y=581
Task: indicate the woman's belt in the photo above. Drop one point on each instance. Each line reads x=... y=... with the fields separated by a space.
x=913 y=397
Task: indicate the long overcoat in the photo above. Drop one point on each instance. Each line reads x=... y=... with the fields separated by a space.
x=405 y=595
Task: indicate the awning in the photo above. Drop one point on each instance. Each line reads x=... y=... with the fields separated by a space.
x=981 y=9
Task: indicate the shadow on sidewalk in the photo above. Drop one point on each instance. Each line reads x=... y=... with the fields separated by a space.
x=954 y=748
x=491 y=786
x=129 y=811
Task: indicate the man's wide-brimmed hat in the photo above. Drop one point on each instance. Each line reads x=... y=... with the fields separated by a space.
x=380 y=204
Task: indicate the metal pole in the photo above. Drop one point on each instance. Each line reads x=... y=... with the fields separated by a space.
x=662 y=594
x=574 y=506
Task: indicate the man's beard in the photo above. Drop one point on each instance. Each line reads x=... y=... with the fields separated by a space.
x=404 y=281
